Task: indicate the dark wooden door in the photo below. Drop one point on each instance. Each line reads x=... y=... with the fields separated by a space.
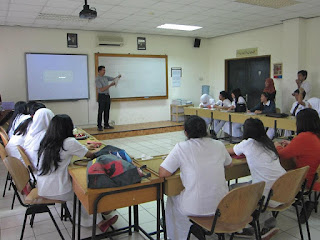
x=249 y=75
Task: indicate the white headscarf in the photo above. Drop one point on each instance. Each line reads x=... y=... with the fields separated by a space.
x=206 y=100
x=315 y=103
x=38 y=128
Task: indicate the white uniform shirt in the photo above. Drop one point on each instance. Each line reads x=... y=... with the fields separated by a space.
x=307 y=88
x=11 y=147
x=201 y=162
x=315 y=104
x=240 y=100
x=224 y=103
x=263 y=164
x=58 y=182
x=300 y=107
x=16 y=122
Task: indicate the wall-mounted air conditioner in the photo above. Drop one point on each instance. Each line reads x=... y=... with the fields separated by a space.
x=110 y=41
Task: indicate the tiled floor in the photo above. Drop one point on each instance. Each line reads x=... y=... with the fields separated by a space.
x=156 y=144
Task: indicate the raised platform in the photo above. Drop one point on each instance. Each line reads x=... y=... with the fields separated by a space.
x=131 y=130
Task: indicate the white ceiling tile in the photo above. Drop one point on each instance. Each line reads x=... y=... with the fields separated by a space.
x=53 y=10
x=30 y=2
x=3 y=13
x=138 y=3
x=108 y=2
x=166 y=6
x=100 y=7
x=128 y=10
x=24 y=8
x=65 y=3
x=114 y=15
x=22 y=14
x=20 y=20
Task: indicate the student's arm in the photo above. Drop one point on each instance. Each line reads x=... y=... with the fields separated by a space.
x=228 y=159
x=90 y=155
x=164 y=173
x=170 y=164
x=231 y=151
x=293 y=149
x=257 y=107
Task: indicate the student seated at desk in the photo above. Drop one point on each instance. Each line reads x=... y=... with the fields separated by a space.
x=266 y=105
x=206 y=101
x=201 y=161
x=263 y=161
x=305 y=147
x=37 y=130
x=19 y=115
x=236 y=127
x=270 y=89
x=57 y=148
x=297 y=106
x=20 y=133
x=223 y=103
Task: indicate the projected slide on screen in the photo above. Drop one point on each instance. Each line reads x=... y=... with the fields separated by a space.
x=57 y=76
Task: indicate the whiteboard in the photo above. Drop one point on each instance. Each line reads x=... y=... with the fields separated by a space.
x=142 y=76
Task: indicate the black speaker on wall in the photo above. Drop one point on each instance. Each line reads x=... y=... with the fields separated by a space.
x=197 y=42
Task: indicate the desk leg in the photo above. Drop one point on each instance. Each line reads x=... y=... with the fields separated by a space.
x=74 y=217
x=230 y=129
x=163 y=214
x=79 y=219
x=158 y=211
x=130 y=220
x=275 y=129
x=136 y=218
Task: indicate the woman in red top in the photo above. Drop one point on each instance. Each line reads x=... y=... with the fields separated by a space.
x=305 y=147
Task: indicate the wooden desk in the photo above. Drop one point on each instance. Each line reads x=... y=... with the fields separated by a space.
x=173 y=185
x=107 y=199
x=288 y=123
x=5 y=116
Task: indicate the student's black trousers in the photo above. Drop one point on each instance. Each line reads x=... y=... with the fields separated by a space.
x=104 y=107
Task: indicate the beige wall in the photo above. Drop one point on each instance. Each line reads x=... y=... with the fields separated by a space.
x=295 y=43
x=15 y=41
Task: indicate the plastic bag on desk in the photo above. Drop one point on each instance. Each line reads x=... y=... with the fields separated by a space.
x=109 y=171
x=109 y=149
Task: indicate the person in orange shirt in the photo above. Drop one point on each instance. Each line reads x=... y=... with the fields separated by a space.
x=305 y=147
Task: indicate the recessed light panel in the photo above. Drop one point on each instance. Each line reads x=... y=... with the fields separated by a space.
x=179 y=27
x=269 y=3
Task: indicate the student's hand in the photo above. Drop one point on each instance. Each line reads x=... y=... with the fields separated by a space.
x=285 y=143
x=201 y=106
x=112 y=84
x=257 y=112
x=298 y=81
x=119 y=76
x=277 y=144
x=248 y=111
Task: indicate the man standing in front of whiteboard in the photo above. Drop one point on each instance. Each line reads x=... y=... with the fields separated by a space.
x=103 y=85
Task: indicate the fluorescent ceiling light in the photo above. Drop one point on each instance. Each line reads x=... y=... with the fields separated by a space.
x=179 y=27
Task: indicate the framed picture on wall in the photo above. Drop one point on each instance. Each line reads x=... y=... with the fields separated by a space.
x=72 y=40
x=141 y=43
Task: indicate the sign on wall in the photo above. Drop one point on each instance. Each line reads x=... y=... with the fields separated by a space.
x=248 y=52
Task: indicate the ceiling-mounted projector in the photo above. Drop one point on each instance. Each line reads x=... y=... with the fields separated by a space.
x=88 y=13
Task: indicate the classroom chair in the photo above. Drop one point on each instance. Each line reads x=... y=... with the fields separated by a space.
x=238 y=208
x=288 y=190
x=65 y=214
x=4 y=137
x=313 y=203
x=27 y=162
x=3 y=155
x=33 y=202
x=4 y=132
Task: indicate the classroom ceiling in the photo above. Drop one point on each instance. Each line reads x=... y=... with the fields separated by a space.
x=216 y=17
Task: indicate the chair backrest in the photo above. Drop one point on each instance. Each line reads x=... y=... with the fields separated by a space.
x=4 y=132
x=4 y=138
x=288 y=185
x=3 y=152
x=24 y=156
x=18 y=172
x=238 y=205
